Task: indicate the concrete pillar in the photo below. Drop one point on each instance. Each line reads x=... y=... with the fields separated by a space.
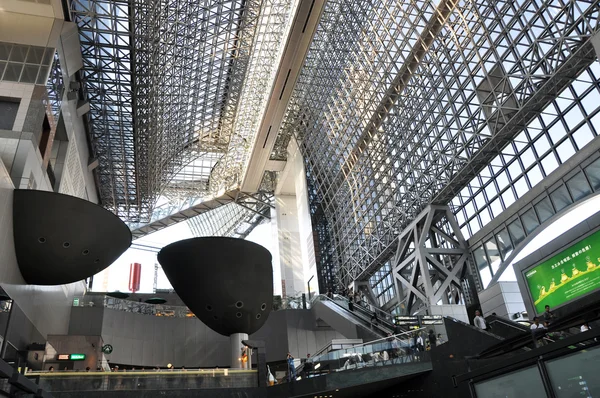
x=294 y=228
x=236 y=349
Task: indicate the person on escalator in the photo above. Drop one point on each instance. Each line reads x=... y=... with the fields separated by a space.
x=432 y=339
x=350 y=303
x=374 y=320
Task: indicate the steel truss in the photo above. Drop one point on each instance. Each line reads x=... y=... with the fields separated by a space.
x=400 y=104
x=163 y=79
x=430 y=260
x=256 y=209
x=236 y=219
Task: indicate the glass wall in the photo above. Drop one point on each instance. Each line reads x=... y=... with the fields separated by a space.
x=523 y=382
x=494 y=249
x=576 y=375
x=572 y=375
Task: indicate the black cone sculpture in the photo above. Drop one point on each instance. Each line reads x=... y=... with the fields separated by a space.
x=226 y=282
x=62 y=239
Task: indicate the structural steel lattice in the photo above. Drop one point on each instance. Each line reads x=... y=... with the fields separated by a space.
x=164 y=80
x=401 y=104
x=235 y=220
x=430 y=260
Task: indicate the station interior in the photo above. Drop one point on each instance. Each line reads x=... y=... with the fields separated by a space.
x=299 y=198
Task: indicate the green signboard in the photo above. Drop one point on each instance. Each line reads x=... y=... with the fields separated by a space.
x=77 y=357
x=566 y=276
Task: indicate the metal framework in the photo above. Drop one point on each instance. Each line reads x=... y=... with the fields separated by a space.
x=235 y=220
x=430 y=260
x=402 y=104
x=175 y=90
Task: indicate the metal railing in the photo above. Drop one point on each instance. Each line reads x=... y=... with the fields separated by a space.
x=392 y=350
x=145 y=380
x=382 y=324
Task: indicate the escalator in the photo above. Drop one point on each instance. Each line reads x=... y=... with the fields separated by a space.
x=506 y=328
x=355 y=324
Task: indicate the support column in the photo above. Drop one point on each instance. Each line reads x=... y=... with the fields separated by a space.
x=235 y=341
x=294 y=228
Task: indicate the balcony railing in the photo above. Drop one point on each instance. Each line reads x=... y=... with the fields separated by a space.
x=142 y=380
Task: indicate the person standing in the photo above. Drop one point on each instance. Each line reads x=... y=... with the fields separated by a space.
x=585 y=327
x=291 y=368
x=536 y=325
x=432 y=339
x=548 y=315
x=307 y=368
x=478 y=321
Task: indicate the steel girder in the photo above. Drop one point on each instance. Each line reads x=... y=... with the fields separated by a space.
x=400 y=104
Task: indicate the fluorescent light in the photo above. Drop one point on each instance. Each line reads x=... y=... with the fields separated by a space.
x=317 y=366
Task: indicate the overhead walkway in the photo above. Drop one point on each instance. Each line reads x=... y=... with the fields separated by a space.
x=353 y=324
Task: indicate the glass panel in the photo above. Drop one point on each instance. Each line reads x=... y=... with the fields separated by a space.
x=576 y=375
x=48 y=56
x=582 y=136
x=565 y=150
x=13 y=72
x=521 y=187
x=504 y=243
x=493 y=254
x=4 y=51
x=579 y=186
x=515 y=229
x=35 y=55
x=593 y=173
x=530 y=221
x=43 y=75
x=549 y=163
x=19 y=53
x=561 y=198
x=480 y=258
x=513 y=385
x=29 y=73
x=544 y=209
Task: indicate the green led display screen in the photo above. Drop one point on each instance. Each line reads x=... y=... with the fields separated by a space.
x=77 y=357
x=566 y=276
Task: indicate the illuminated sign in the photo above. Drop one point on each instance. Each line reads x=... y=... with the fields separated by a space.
x=77 y=357
x=570 y=274
x=406 y=320
x=63 y=357
x=432 y=320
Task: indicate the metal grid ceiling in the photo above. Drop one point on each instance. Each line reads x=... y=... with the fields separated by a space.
x=402 y=103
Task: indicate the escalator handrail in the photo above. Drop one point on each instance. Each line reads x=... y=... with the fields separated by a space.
x=384 y=319
x=368 y=323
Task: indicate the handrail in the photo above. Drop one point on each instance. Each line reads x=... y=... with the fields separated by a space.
x=387 y=337
x=507 y=324
x=376 y=310
x=358 y=314
x=162 y=372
